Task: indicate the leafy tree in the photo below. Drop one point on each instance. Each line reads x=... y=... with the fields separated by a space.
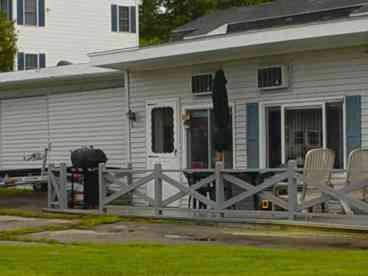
x=7 y=43
x=160 y=17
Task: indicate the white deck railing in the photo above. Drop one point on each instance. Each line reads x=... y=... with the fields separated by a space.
x=131 y=181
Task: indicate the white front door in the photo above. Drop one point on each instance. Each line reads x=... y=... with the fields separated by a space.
x=162 y=141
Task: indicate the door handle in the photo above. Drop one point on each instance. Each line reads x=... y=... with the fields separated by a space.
x=152 y=156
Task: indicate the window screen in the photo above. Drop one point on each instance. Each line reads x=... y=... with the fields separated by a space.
x=202 y=84
x=30 y=12
x=124 y=19
x=162 y=130
x=31 y=61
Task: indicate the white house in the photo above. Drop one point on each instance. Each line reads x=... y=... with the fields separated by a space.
x=50 y=31
x=296 y=72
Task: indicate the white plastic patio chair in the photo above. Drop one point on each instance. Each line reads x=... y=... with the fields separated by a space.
x=318 y=165
x=357 y=171
x=317 y=171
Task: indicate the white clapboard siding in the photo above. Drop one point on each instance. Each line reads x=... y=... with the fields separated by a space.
x=73 y=29
x=313 y=74
x=24 y=130
x=89 y=118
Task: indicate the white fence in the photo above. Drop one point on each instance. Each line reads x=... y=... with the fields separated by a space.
x=288 y=206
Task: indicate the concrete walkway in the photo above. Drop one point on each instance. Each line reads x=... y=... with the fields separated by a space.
x=233 y=234
x=9 y=223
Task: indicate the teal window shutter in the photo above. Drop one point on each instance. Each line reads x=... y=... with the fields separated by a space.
x=41 y=13
x=42 y=60
x=20 y=13
x=20 y=61
x=114 y=18
x=252 y=135
x=353 y=123
x=133 y=21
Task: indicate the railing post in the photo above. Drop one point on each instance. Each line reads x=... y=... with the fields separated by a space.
x=158 y=189
x=62 y=186
x=101 y=187
x=130 y=180
x=292 y=189
x=220 y=190
x=50 y=192
x=130 y=174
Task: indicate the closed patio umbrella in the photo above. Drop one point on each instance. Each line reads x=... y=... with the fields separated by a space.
x=221 y=110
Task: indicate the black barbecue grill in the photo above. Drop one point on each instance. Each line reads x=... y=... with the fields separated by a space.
x=86 y=161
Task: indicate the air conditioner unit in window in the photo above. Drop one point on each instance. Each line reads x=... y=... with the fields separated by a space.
x=273 y=77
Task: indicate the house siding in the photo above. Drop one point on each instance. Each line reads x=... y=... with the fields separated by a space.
x=314 y=74
x=73 y=29
x=95 y=118
x=67 y=114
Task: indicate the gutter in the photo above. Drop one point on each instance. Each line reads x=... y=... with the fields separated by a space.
x=130 y=123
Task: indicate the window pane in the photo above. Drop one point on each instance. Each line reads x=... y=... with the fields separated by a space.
x=303 y=129
x=335 y=131
x=31 y=61
x=4 y=6
x=30 y=12
x=163 y=130
x=229 y=137
x=198 y=140
x=124 y=19
x=202 y=83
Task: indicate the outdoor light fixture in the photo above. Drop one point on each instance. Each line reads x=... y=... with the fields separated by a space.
x=132 y=116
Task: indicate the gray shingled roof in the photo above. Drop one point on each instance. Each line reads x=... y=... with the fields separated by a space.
x=275 y=9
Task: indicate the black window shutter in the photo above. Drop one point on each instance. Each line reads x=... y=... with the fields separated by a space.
x=20 y=18
x=133 y=21
x=42 y=60
x=41 y=13
x=20 y=61
x=114 y=18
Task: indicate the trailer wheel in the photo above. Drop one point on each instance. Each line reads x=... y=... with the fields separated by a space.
x=40 y=188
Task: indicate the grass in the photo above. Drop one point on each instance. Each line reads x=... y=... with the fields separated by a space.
x=12 y=192
x=145 y=259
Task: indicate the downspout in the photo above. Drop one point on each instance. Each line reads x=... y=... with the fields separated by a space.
x=127 y=100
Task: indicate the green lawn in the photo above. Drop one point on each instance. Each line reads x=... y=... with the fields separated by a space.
x=143 y=259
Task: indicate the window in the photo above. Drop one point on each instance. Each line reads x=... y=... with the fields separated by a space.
x=6 y=6
x=272 y=77
x=123 y=19
x=31 y=12
x=303 y=130
x=202 y=84
x=30 y=61
x=163 y=130
x=200 y=135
